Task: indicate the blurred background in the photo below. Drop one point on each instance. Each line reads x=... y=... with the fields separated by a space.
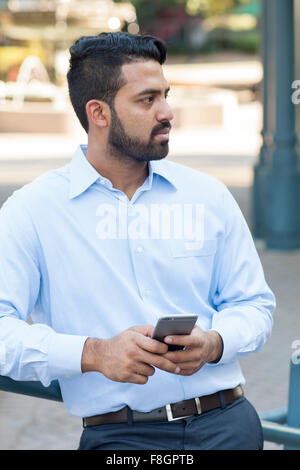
x=231 y=67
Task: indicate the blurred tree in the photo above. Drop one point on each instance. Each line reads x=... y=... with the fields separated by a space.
x=212 y=7
x=149 y=10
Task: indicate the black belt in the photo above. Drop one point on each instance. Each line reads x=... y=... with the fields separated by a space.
x=182 y=409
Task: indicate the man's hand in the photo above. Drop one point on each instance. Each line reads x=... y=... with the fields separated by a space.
x=200 y=347
x=128 y=357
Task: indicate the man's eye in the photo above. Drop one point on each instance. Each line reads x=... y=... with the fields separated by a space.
x=148 y=99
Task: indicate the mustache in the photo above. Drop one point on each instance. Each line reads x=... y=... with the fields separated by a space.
x=160 y=127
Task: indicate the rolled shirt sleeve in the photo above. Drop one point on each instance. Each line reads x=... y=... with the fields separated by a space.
x=243 y=301
x=28 y=351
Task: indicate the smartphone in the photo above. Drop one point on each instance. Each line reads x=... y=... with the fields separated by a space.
x=174 y=325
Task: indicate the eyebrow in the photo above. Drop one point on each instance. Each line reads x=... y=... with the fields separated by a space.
x=152 y=91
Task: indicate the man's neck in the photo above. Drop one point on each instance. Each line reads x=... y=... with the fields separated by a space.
x=125 y=174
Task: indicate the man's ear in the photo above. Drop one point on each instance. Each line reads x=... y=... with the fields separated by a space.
x=98 y=112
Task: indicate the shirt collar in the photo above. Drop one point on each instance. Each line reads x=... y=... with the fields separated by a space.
x=166 y=171
x=83 y=174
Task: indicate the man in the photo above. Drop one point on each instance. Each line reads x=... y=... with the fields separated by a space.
x=98 y=250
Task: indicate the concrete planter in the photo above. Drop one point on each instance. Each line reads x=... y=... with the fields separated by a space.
x=36 y=117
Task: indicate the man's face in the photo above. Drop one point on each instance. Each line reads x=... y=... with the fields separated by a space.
x=140 y=116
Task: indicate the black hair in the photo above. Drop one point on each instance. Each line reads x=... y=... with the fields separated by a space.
x=95 y=66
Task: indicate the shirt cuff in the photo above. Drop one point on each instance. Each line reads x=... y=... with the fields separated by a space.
x=231 y=340
x=65 y=354
x=231 y=344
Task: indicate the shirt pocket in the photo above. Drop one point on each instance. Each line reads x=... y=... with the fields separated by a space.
x=187 y=249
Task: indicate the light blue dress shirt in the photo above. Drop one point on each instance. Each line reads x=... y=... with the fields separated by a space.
x=83 y=260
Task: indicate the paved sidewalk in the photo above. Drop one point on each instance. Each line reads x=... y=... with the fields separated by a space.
x=29 y=423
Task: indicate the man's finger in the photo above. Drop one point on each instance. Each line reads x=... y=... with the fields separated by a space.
x=145 y=330
x=187 y=372
x=180 y=340
x=138 y=379
x=152 y=345
x=144 y=369
x=182 y=356
x=162 y=363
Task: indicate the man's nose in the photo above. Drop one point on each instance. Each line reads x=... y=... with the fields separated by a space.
x=165 y=112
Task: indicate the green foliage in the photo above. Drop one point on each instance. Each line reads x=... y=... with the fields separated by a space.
x=149 y=13
x=210 y=7
x=247 y=42
x=147 y=10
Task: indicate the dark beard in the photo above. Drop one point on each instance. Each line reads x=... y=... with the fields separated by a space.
x=122 y=145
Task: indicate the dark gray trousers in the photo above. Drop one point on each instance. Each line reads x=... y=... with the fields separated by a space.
x=233 y=427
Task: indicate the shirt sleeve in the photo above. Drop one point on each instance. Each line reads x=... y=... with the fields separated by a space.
x=28 y=351
x=243 y=301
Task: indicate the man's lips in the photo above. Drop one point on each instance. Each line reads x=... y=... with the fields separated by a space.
x=163 y=134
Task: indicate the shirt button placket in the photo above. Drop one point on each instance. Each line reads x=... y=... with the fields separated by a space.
x=139 y=271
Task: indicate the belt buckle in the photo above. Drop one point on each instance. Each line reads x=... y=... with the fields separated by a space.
x=170 y=412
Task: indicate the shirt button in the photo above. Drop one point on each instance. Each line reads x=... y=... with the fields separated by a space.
x=131 y=210
x=102 y=181
x=140 y=249
x=148 y=292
